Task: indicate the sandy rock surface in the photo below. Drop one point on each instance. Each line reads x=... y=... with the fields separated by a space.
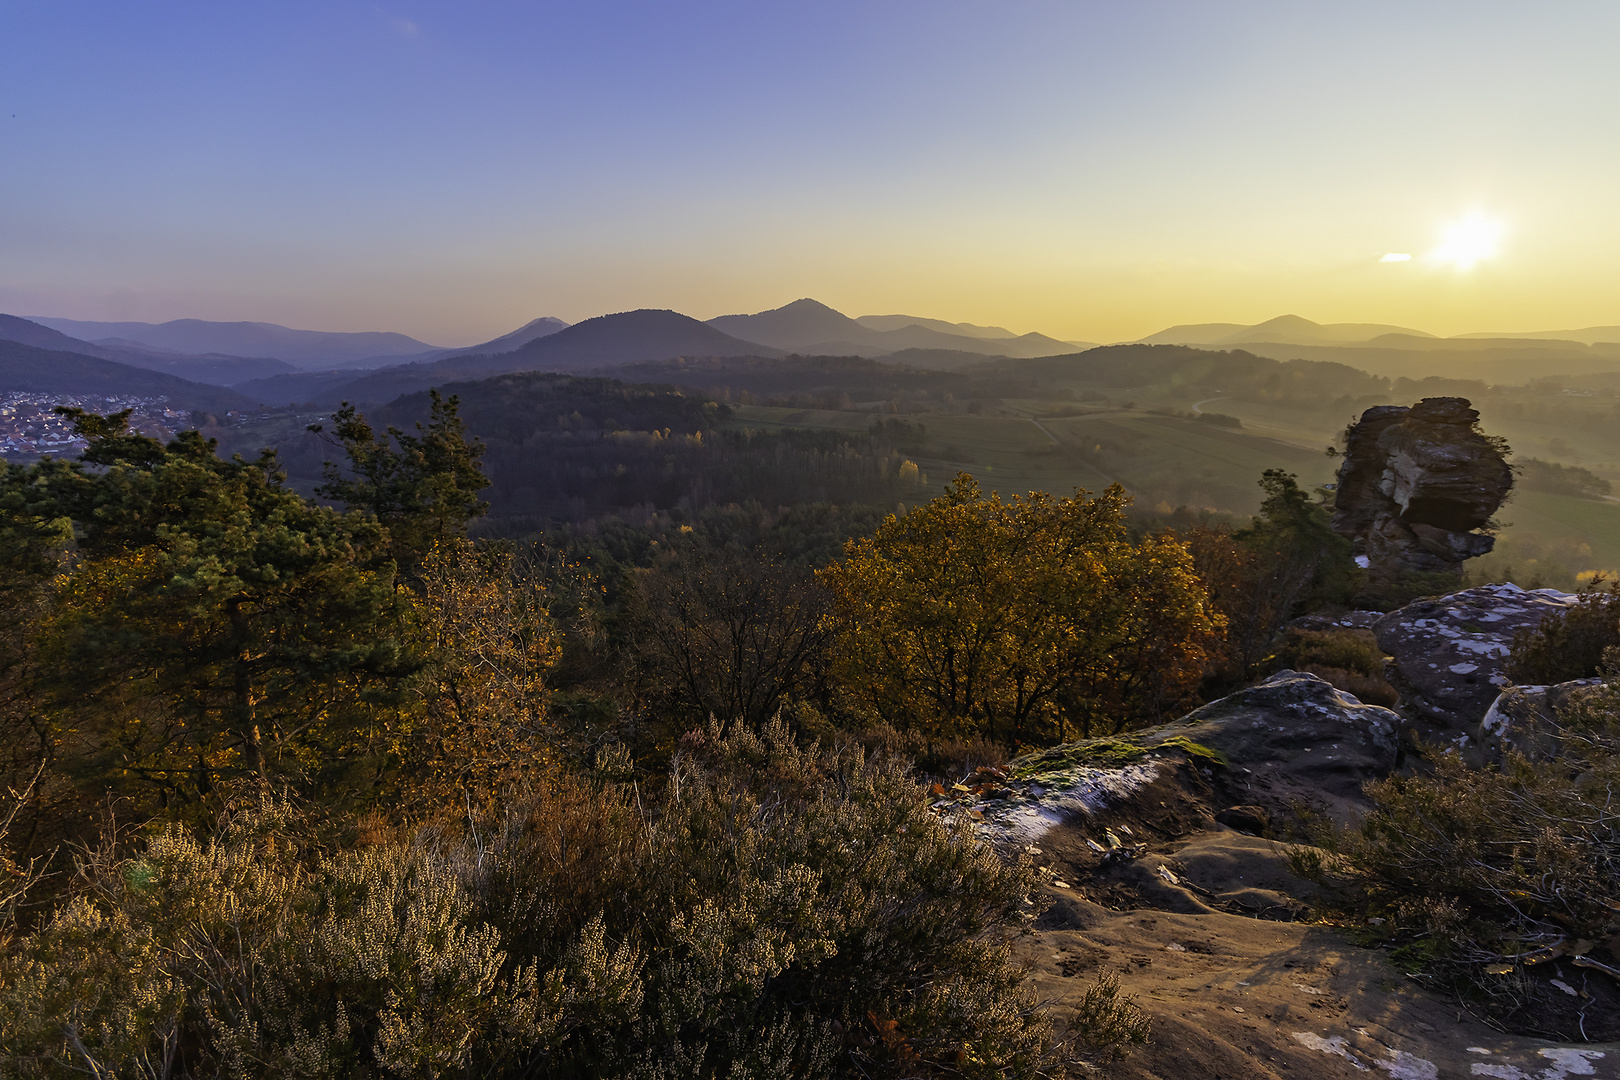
x=1206 y=925
x=1237 y=998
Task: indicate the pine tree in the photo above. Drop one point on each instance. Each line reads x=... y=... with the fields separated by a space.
x=423 y=488
x=210 y=623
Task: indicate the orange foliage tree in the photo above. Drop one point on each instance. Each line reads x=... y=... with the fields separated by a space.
x=1021 y=620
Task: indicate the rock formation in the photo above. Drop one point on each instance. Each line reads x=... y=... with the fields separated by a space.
x=1415 y=486
x=1144 y=845
x=1448 y=654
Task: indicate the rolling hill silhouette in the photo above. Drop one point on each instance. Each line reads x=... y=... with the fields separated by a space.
x=607 y=341
x=1285 y=328
x=301 y=348
x=627 y=337
x=812 y=328
x=51 y=371
x=215 y=370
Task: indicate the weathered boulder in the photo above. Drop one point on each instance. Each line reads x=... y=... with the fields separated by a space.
x=1529 y=720
x=1294 y=737
x=1345 y=620
x=1290 y=741
x=1415 y=485
x=1449 y=653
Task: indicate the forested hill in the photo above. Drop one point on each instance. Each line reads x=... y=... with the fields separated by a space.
x=823 y=380
x=611 y=340
x=518 y=406
x=47 y=371
x=569 y=448
x=1236 y=373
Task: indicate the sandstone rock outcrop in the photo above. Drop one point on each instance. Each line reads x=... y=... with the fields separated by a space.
x=1292 y=740
x=1449 y=653
x=1298 y=738
x=1415 y=486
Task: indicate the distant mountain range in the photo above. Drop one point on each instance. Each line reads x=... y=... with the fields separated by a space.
x=304 y=349
x=354 y=371
x=1284 y=328
x=814 y=329
x=212 y=368
x=1592 y=335
x=1293 y=330
x=1396 y=351
x=607 y=341
x=50 y=371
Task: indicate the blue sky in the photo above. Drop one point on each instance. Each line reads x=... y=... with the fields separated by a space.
x=1092 y=170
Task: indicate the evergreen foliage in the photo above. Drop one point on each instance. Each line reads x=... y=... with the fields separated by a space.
x=208 y=621
x=423 y=488
x=1286 y=562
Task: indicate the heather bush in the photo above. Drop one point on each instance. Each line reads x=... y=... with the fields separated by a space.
x=769 y=911
x=1568 y=645
x=1349 y=659
x=799 y=911
x=241 y=955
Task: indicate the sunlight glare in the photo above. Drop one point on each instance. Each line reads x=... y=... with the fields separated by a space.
x=1465 y=243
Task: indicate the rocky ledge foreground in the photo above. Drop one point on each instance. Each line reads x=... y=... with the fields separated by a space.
x=1165 y=865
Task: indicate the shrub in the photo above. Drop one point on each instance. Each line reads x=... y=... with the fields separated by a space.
x=797 y=910
x=1568 y=645
x=234 y=956
x=1477 y=875
x=773 y=911
x=1349 y=659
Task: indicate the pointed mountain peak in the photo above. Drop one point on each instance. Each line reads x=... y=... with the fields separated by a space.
x=807 y=305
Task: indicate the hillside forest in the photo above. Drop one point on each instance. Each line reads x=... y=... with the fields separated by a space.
x=574 y=726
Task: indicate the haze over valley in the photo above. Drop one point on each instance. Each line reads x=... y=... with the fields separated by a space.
x=1023 y=411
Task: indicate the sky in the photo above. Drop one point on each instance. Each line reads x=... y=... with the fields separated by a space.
x=1092 y=169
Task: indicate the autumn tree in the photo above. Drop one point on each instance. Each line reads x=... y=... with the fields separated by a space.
x=480 y=622
x=1017 y=619
x=208 y=623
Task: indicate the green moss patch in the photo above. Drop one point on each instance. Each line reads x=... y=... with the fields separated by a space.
x=1108 y=753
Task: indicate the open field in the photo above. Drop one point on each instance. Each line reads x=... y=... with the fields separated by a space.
x=1583 y=531
x=1178 y=462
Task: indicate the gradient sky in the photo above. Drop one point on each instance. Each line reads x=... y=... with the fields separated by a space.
x=1093 y=170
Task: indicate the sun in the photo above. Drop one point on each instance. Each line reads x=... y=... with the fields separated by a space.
x=1465 y=243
